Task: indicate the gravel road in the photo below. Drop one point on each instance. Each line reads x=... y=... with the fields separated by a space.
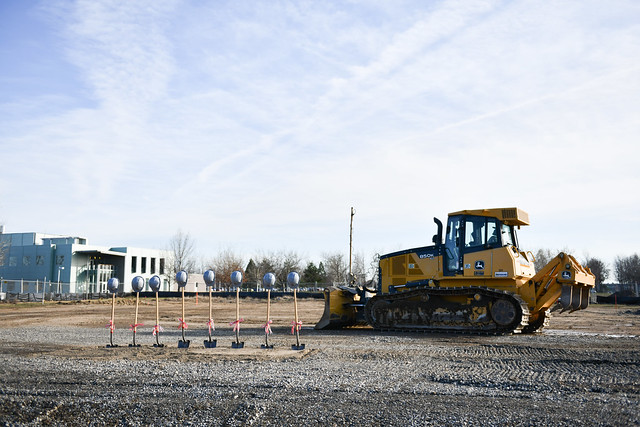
x=55 y=375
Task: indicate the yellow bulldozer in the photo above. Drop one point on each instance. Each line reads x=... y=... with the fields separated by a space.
x=474 y=280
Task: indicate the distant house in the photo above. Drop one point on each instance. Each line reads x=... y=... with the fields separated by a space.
x=73 y=264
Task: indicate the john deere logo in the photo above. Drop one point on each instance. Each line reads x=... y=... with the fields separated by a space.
x=479 y=265
x=566 y=274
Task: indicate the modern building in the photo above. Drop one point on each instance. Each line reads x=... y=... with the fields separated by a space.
x=70 y=265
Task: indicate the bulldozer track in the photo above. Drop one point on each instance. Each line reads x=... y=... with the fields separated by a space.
x=538 y=325
x=427 y=317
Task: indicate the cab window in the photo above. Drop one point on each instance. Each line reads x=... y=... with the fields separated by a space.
x=452 y=240
x=492 y=233
x=475 y=229
x=507 y=235
x=481 y=232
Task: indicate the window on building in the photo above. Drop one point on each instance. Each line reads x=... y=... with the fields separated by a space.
x=153 y=266
x=26 y=260
x=161 y=265
x=143 y=267
x=39 y=260
x=134 y=263
x=13 y=261
x=59 y=259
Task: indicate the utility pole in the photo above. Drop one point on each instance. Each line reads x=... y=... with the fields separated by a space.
x=351 y=277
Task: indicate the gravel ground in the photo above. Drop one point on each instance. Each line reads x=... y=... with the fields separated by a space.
x=54 y=375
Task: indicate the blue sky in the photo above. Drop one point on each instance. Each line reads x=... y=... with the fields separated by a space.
x=255 y=126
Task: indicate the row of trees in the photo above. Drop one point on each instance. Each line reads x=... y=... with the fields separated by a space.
x=334 y=267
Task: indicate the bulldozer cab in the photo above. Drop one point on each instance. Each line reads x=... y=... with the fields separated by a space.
x=473 y=233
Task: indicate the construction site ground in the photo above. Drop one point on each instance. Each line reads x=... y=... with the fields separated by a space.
x=56 y=369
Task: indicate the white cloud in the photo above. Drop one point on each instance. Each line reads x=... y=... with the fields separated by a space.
x=259 y=125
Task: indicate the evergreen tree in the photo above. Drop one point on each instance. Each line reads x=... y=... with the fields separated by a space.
x=252 y=273
x=313 y=274
x=598 y=268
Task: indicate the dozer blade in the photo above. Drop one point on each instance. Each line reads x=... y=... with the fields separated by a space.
x=339 y=310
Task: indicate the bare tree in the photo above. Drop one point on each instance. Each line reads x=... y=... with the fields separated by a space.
x=279 y=263
x=542 y=256
x=359 y=269
x=291 y=261
x=628 y=269
x=181 y=254
x=225 y=263
x=201 y=263
x=267 y=263
x=374 y=264
x=261 y=264
x=336 y=267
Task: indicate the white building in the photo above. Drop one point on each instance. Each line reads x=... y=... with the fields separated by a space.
x=77 y=266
